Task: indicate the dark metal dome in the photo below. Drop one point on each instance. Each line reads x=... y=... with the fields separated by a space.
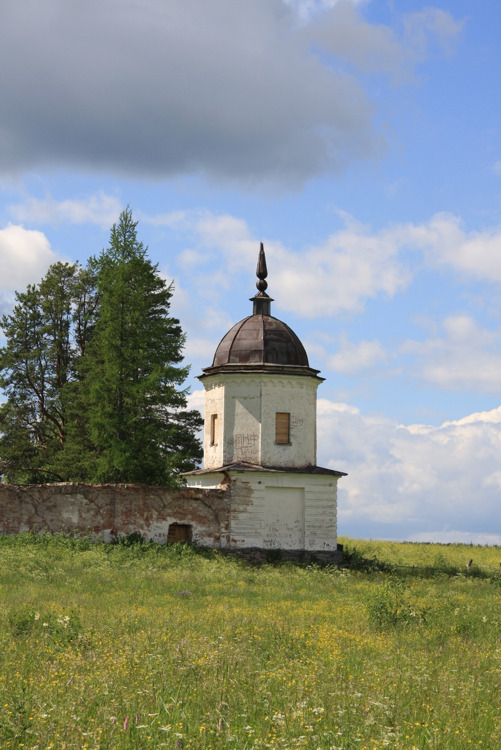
x=260 y=340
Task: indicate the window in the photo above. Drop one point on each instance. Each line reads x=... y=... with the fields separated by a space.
x=213 y=429
x=282 y=427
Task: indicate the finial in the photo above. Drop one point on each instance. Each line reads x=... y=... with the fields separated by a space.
x=262 y=302
x=262 y=271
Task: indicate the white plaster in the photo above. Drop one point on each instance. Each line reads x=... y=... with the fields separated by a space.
x=268 y=509
x=246 y=405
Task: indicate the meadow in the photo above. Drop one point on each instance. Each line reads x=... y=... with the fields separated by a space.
x=138 y=645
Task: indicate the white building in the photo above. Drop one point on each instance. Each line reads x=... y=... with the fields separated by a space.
x=260 y=436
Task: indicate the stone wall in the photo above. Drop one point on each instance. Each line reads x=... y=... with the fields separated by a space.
x=119 y=509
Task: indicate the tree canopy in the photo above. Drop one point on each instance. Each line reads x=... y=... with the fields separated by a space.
x=92 y=373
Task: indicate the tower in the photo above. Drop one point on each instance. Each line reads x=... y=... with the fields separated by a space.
x=260 y=435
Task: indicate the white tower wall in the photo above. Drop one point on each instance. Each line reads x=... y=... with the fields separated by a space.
x=243 y=406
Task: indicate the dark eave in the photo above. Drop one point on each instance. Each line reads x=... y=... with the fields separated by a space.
x=245 y=466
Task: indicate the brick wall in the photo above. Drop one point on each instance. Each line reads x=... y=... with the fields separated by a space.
x=108 y=510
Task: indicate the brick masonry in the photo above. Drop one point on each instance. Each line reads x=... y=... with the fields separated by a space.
x=120 y=509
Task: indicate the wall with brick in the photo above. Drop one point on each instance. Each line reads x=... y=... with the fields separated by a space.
x=109 y=510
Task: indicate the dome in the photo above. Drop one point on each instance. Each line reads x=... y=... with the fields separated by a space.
x=260 y=340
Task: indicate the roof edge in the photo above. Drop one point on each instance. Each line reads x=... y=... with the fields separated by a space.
x=245 y=466
x=238 y=368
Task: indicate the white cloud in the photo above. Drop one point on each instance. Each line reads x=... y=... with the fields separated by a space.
x=342 y=272
x=98 y=209
x=416 y=479
x=196 y=400
x=445 y=244
x=496 y=167
x=351 y=358
x=466 y=357
x=25 y=256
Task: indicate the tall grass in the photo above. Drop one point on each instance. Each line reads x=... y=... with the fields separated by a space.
x=115 y=646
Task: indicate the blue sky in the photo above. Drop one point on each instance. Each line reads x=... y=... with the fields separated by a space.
x=360 y=141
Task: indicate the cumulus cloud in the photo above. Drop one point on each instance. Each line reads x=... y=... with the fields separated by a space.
x=412 y=480
x=343 y=271
x=25 y=256
x=234 y=91
x=351 y=358
x=101 y=209
x=445 y=243
x=227 y=89
x=464 y=357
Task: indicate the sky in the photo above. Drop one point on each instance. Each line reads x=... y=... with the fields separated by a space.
x=359 y=141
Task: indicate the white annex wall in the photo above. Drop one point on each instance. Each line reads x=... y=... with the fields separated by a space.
x=283 y=510
x=283 y=518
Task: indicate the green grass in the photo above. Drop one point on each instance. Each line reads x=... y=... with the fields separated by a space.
x=109 y=646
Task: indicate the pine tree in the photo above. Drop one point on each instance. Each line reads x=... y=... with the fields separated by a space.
x=35 y=367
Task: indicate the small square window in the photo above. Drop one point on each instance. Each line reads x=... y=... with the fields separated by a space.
x=282 y=428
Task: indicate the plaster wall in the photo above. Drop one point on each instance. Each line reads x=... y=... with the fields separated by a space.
x=111 y=510
x=246 y=405
x=279 y=510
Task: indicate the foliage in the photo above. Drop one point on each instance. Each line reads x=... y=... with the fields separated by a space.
x=191 y=649
x=391 y=605
x=92 y=373
x=46 y=333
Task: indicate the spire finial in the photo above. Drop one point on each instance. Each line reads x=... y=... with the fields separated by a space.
x=262 y=302
x=262 y=271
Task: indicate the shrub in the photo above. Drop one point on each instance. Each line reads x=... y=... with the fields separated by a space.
x=390 y=605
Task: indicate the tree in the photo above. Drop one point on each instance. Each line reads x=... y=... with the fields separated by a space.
x=92 y=374
x=35 y=367
x=131 y=372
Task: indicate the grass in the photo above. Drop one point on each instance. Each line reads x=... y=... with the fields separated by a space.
x=115 y=646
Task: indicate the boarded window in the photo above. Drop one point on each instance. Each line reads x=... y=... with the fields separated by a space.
x=282 y=427
x=179 y=532
x=213 y=429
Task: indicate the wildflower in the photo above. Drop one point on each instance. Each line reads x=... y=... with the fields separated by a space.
x=126 y=723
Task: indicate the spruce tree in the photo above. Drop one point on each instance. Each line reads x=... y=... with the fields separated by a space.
x=93 y=376
x=131 y=374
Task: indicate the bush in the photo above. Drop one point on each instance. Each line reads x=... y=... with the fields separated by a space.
x=391 y=606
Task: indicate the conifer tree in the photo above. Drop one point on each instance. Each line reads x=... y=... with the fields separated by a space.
x=35 y=367
x=92 y=374
x=131 y=372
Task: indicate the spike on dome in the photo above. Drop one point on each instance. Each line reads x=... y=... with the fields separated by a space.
x=261 y=271
x=262 y=301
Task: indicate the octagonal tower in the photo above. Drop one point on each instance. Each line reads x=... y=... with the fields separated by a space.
x=260 y=435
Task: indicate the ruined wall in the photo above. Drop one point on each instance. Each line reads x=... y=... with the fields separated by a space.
x=109 y=510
